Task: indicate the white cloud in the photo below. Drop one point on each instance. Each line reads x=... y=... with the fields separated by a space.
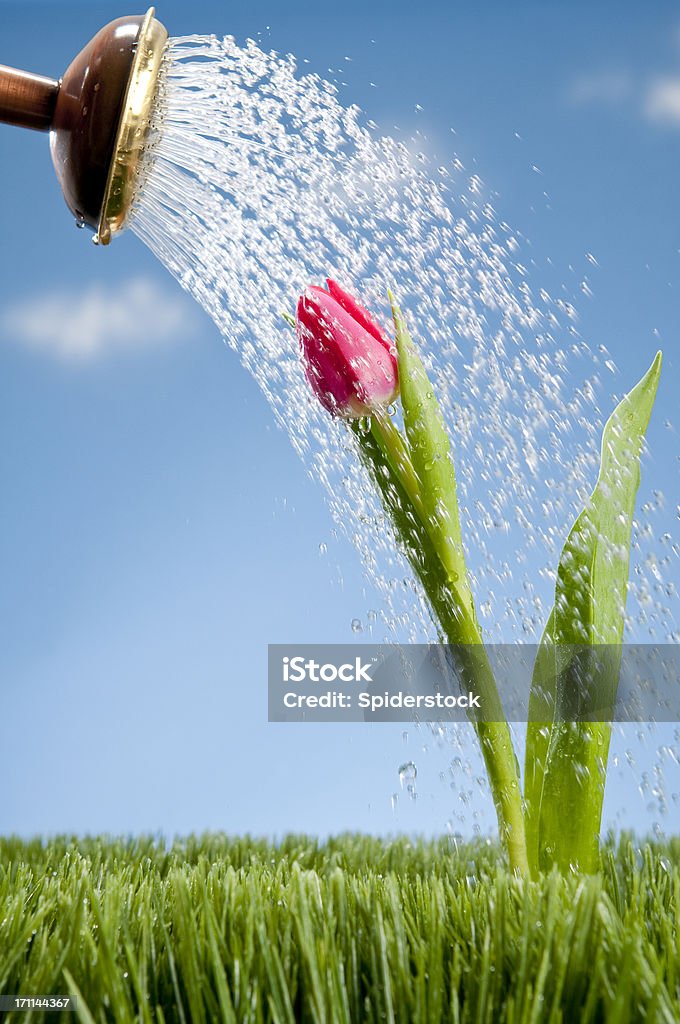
x=99 y=319
x=655 y=99
x=662 y=102
x=600 y=87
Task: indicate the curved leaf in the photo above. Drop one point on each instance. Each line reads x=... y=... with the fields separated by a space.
x=430 y=451
x=590 y=600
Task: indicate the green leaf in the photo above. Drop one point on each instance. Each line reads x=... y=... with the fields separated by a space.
x=430 y=452
x=592 y=577
x=541 y=713
x=590 y=600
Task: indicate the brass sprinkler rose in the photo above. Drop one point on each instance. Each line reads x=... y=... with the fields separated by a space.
x=98 y=117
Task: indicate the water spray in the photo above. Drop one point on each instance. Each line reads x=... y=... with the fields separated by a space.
x=257 y=181
x=98 y=117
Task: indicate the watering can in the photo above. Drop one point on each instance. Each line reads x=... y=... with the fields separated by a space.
x=98 y=117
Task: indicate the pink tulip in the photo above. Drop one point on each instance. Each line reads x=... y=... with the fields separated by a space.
x=349 y=361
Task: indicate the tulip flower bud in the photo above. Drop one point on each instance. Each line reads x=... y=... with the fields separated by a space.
x=349 y=361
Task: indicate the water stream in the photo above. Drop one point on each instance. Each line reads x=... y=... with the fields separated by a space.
x=258 y=182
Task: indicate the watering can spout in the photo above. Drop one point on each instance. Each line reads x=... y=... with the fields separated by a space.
x=98 y=117
x=27 y=100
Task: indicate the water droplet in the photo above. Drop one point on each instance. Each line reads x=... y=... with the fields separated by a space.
x=407 y=777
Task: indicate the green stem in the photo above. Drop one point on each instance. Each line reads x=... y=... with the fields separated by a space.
x=501 y=766
x=393 y=447
x=491 y=726
x=383 y=447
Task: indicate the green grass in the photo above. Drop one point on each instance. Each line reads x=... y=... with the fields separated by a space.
x=355 y=929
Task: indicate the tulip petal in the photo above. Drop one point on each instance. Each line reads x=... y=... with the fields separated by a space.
x=349 y=369
x=324 y=365
x=358 y=313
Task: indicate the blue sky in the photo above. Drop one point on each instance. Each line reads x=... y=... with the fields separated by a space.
x=157 y=531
